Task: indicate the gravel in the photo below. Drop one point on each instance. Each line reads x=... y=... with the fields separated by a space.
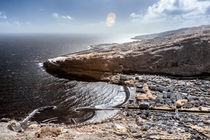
x=145 y=122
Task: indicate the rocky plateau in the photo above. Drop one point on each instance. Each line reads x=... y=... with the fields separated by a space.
x=182 y=53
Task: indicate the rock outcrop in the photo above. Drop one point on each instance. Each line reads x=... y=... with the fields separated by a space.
x=182 y=53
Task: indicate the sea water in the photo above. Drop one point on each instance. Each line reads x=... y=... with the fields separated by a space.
x=25 y=86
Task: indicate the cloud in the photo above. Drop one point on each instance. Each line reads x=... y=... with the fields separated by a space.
x=175 y=11
x=2 y=15
x=110 y=19
x=57 y=16
x=184 y=8
x=134 y=15
x=66 y=17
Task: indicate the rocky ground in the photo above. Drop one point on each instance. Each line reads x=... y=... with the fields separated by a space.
x=161 y=108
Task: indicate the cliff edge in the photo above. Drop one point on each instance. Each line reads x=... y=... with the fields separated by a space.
x=182 y=53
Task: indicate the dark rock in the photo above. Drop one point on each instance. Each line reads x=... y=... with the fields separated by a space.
x=130 y=113
x=179 y=96
x=154 y=128
x=204 y=89
x=137 y=136
x=197 y=103
x=169 y=102
x=170 y=122
x=169 y=94
x=188 y=105
x=202 y=102
x=170 y=131
x=173 y=97
x=193 y=117
x=145 y=114
x=200 y=124
x=144 y=105
x=196 y=136
x=182 y=130
x=138 y=121
x=150 y=124
x=176 y=116
x=204 y=86
x=160 y=125
x=145 y=127
x=139 y=86
x=139 y=78
x=184 y=95
x=123 y=78
x=159 y=99
x=152 y=103
x=158 y=118
x=165 y=94
x=191 y=98
x=133 y=129
x=169 y=89
x=159 y=104
x=185 y=119
x=157 y=88
x=186 y=129
x=140 y=90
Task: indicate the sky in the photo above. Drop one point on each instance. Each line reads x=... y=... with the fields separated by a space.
x=101 y=16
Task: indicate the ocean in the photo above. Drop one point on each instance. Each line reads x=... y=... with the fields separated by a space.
x=25 y=86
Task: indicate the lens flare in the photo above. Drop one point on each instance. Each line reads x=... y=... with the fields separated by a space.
x=110 y=19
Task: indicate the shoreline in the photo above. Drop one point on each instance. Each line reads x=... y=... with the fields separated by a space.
x=144 y=116
x=158 y=107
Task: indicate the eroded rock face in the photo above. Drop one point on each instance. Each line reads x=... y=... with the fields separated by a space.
x=183 y=53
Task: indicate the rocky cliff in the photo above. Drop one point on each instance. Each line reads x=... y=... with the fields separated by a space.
x=182 y=53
